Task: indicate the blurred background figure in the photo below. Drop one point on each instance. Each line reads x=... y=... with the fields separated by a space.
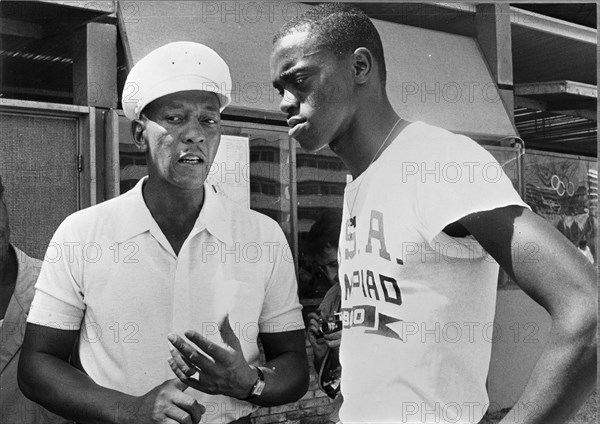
x=585 y=250
x=324 y=325
x=18 y=274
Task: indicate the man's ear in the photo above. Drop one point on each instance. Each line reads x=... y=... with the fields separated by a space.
x=138 y=127
x=363 y=64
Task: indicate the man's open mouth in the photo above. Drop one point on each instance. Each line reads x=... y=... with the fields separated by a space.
x=190 y=159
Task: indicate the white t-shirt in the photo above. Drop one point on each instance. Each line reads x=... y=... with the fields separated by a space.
x=110 y=272
x=418 y=305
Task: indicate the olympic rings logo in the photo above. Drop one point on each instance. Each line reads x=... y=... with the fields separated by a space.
x=562 y=186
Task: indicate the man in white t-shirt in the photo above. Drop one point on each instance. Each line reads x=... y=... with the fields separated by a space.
x=169 y=256
x=428 y=217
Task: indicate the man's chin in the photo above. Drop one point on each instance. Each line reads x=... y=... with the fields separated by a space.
x=191 y=180
x=189 y=183
x=195 y=185
x=310 y=146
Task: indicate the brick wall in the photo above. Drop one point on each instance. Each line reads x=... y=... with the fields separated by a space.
x=313 y=408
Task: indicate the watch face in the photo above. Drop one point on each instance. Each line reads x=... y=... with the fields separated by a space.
x=260 y=383
x=258 y=389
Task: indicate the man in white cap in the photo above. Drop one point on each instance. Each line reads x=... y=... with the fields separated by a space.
x=162 y=259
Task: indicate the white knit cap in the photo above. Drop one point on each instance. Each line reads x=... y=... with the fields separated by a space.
x=178 y=66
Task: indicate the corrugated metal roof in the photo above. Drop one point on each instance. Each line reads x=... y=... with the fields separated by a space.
x=553 y=132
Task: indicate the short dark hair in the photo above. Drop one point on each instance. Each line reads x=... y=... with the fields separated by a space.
x=325 y=232
x=340 y=29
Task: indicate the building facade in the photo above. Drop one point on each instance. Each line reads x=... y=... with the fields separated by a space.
x=489 y=71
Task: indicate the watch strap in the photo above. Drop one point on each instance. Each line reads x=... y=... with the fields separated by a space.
x=259 y=385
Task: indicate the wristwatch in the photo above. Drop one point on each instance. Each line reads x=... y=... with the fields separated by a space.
x=259 y=385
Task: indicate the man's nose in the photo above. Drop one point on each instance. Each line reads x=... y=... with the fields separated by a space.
x=194 y=132
x=288 y=102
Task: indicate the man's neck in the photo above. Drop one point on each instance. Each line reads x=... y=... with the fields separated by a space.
x=174 y=210
x=367 y=137
x=171 y=202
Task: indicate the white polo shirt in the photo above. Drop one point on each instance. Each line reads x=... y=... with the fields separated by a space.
x=110 y=272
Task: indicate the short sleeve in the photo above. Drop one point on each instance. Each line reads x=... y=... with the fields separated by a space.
x=281 y=308
x=58 y=300
x=458 y=178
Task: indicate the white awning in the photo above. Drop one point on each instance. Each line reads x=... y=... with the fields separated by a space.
x=436 y=77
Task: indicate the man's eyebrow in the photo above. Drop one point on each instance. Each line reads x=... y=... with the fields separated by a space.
x=212 y=108
x=178 y=105
x=283 y=76
x=288 y=74
x=174 y=105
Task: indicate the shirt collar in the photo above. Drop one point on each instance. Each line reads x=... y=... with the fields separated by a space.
x=216 y=215
x=135 y=217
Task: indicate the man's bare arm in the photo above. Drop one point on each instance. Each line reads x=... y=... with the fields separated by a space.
x=561 y=280
x=287 y=362
x=46 y=377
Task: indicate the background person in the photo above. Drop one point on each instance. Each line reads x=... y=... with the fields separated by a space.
x=321 y=244
x=18 y=274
